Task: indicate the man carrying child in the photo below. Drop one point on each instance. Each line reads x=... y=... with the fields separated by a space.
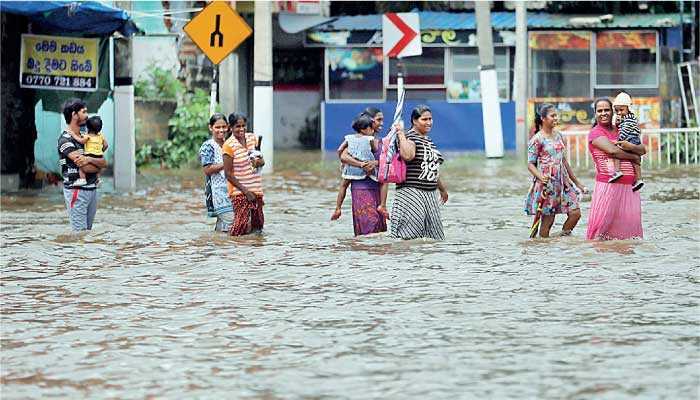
x=81 y=201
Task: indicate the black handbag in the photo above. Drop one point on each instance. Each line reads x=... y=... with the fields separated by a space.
x=209 y=200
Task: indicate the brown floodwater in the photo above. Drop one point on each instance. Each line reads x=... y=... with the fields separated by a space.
x=153 y=304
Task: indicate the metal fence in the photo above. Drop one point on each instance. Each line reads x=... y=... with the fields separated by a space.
x=665 y=147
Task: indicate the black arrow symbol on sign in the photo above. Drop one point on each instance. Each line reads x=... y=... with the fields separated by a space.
x=217 y=34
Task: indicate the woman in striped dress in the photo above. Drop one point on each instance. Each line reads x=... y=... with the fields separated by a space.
x=416 y=209
x=244 y=184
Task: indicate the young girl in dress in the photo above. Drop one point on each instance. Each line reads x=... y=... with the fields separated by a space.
x=361 y=146
x=551 y=171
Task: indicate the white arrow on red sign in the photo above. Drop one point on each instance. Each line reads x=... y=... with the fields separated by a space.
x=401 y=35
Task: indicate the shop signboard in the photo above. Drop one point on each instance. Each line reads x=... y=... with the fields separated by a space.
x=429 y=37
x=58 y=63
x=576 y=114
x=559 y=40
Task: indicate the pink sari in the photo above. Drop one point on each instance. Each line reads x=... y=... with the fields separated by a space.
x=616 y=211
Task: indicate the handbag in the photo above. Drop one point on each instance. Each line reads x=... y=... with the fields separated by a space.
x=208 y=197
x=390 y=170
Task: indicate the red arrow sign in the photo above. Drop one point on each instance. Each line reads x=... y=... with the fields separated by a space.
x=408 y=34
x=401 y=35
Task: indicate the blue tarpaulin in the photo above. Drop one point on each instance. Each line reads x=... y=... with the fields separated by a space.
x=86 y=18
x=505 y=20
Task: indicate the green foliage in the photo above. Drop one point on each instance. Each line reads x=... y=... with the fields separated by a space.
x=675 y=144
x=188 y=130
x=159 y=84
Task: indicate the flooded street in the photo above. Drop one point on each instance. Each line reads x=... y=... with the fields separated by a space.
x=153 y=304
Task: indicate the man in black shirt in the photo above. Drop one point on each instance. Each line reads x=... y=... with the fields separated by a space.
x=81 y=201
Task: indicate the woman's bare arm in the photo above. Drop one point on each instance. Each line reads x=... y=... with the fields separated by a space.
x=407 y=148
x=346 y=158
x=212 y=169
x=442 y=188
x=613 y=151
x=572 y=176
x=638 y=149
x=536 y=173
x=228 y=170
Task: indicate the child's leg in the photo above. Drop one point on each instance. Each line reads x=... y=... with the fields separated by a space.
x=638 y=182
x=617 y=174
x=383 y=194
x=637 y=172
x=81 y=180
x=341 y=197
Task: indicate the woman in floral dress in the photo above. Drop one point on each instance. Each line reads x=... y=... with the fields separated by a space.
x=551 y=171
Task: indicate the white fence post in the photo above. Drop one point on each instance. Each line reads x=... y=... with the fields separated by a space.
x=669 y=136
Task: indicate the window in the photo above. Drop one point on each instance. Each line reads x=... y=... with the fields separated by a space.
x=298 y=66
x=464 y=82
x=428 y=69
x=626 y=59
x=418 y=94
x=560 y=64
x=354 y=74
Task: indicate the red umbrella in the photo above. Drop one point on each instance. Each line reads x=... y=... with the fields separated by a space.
x=538 y=215
x=546 y=192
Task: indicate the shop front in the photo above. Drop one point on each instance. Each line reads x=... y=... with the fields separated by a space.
x=568 y=65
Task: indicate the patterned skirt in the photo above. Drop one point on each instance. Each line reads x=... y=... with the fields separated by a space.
x=365 y=200
x=247 y=216
x=416 y=214
x=562 y=200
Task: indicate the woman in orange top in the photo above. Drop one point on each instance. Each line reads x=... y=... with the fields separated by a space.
x=244 y=185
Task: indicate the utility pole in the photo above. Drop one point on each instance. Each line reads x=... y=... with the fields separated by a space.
x=228 y=80
x=262 y=80
x=124 y=122
x=490 y=106
x=521 y=82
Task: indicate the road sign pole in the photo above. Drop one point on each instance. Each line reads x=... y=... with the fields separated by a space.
x=214 y=89
x=400 y=90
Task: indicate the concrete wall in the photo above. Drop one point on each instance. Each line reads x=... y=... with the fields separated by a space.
x=154 y=50
x=456 y=126
x=152 y=119
x=292 y=108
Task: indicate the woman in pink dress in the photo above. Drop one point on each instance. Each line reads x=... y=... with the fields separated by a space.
x=616 y=211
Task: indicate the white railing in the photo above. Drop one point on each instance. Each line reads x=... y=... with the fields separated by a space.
x=665 y=147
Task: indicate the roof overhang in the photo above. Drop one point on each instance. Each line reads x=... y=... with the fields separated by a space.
x=84 y=18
